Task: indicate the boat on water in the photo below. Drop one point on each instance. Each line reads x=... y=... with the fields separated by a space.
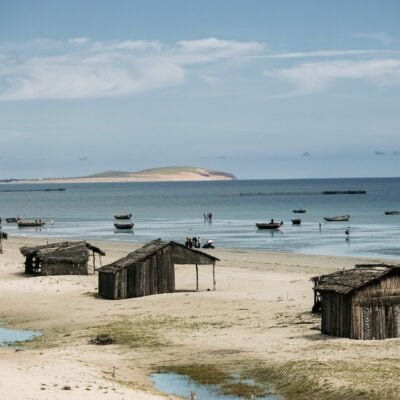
x=269 y=225
x=124 y=226
x=25 y=223
x=392 y=212
x=296 y=221
x=123 y=216
x=337 y=219
x=11 y=220
x=299 y=211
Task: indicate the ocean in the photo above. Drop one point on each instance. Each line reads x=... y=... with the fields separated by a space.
x=174 y=210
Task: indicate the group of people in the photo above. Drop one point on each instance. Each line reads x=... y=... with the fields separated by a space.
x=195 y=242
x=208 y=217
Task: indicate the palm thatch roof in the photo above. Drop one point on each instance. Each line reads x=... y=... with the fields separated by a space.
x=350 y=280
x=181 y=255
x=61 y=252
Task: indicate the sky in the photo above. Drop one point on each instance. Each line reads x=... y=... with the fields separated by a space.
x=259 y=88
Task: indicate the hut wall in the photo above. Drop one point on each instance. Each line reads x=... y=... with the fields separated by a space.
x=336 y=314
x=376 y=310
x=107 y=285
x=64 y=268
x=151 y=276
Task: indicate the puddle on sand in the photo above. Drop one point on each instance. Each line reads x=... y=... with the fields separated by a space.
x=9 y=336
x=182 y=385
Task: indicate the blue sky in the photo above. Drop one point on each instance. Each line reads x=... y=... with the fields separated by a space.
x=262 y=89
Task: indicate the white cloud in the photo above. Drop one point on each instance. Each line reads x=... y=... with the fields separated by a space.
x=317 y=76
x=108 y=69
x=79 y=40
x=322 y=53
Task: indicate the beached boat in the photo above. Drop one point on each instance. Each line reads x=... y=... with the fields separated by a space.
x=11 y=220
x=124 y=226
x=296 y=221
x=299 y=211
x=337 y=219
x=269 y=225
x=392 y=212
x=25 y=223
x=123 y=216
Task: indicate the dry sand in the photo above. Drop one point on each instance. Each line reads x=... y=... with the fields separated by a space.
x=257 y=323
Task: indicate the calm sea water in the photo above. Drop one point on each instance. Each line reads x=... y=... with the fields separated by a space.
x=174 y=210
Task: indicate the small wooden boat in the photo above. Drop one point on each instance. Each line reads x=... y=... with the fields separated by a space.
x=124 y=226
x=123 y=216
x=337 y=219
x=299 y=211
x=269 y=225
x=392 y=212
x=296 y=221
x=11 y=220
x=25 y=223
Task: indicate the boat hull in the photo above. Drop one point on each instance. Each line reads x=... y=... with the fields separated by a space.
x=340 y=218
x=124 y=226
x=268 y=225
x=296 y=221
x=123 y=216
x=392 y=212
x=299 y=211
x=30 y=224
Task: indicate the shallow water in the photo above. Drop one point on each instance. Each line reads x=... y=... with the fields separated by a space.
x=181 y=385
x=10 y=336
x=174 y=210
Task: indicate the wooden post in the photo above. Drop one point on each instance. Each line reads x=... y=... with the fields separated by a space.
x=197 y=277
x=214 y=282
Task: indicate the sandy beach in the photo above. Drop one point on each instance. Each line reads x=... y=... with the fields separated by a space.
x=256 y=324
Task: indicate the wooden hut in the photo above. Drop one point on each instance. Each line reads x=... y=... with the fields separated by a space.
x=65 y=258
x=360 y=303
x=149 y=270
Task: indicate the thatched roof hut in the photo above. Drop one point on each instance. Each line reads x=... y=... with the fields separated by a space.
x=149 y=270
x=64 y=258
x=360 y=303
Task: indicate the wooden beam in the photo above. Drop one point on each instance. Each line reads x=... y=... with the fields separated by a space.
x=214 y=281
x=197 y=277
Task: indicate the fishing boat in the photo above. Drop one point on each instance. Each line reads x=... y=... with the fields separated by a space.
x=123 y=216
x=26 y=223
x=269 y=225
x=296 y=221
x=299 y=211
x=124 y=226
x=11 y=220
x=337 y=219
x=392 y=212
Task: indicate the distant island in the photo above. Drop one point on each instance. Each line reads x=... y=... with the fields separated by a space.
x=148 y=175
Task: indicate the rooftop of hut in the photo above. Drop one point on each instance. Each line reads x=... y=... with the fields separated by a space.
x=59 y=248
x=154 y=247
x=349 y=280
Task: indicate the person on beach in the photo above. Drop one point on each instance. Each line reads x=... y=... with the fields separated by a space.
x=347 y=233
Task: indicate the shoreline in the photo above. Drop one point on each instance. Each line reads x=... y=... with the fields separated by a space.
x=257 y=323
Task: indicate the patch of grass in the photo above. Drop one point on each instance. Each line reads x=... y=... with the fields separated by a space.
x=146 y=331
x=331 y=380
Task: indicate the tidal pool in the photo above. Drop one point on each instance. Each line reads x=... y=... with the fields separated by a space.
x=10 y=336
x=181 y=385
